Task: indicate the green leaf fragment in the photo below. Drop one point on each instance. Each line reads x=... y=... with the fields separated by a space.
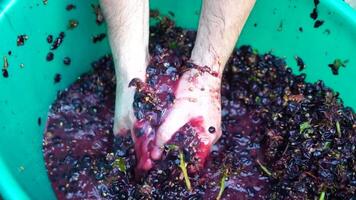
x=253 y=78
x=171 y=147
x=120 y=163
x=258 y=100
x=336 y=65
x=326 y=145
x=173 y=45
x=305 y=128
x=339 y=63
x=183 y=167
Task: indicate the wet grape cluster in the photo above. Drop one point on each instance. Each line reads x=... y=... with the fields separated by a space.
x=283 y=138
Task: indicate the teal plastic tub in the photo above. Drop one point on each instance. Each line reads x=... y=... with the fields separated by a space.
x=281 y=26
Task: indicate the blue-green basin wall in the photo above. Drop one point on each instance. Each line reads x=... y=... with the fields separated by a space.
x=27 y=93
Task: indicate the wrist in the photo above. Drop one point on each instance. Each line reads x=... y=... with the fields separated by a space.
x=215 y=66
x=204 y=80
x=128 y=69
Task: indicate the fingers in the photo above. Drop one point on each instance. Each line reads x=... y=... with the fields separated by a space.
x=208 y=134
x=212 y=129
x=179 y=115
x=188 y=104
x=128 y=23
x=206 y=122
x=156 y=152
x=142 y=152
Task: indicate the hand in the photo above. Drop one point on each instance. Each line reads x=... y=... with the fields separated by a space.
x=198 y=101
x=128 y=29
x=124 y=115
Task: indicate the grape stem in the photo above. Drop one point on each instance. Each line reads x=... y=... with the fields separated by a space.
x=183 y=167
x=264 y=168
x=222 y=184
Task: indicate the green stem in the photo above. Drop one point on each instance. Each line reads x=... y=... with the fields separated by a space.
x=183 y=167
x=264 y=168
x=338 y=128
x=222 y=184
x=322 y=195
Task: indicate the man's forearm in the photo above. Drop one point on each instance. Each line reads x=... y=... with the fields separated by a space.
x=128 y=34
x=128 y=31
x=220 y=24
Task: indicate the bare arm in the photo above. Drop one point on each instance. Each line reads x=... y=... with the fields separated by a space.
x=128 y=33
x=220 y=25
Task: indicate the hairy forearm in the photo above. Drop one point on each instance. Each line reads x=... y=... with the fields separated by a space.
x=220 y=24
x=128 y=33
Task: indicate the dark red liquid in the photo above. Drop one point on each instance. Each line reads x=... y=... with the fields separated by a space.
x=263 y=107
x=79 y=138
